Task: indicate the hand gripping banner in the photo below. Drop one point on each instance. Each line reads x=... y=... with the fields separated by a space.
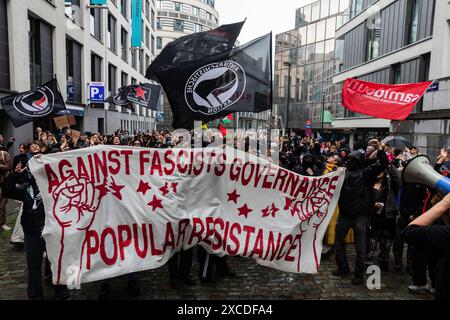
x=116 y=210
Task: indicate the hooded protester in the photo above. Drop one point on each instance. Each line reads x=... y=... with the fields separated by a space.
x=33 y=220
x=343 y=154
x=308 y=167
x=319 y=159
x=355 y=204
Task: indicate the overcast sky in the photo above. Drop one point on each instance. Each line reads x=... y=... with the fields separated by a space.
x=262 y=16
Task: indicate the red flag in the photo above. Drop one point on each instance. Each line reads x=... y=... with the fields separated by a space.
x=387 y=101
x=223 y=130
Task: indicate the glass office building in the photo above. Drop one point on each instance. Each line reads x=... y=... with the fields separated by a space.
x=305 y=64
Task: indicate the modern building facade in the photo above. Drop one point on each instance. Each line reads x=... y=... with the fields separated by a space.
x=176 y=19
x=400 y=41
x=305 y=64
x=40 y=39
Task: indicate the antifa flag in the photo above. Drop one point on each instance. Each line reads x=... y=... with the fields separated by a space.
x=28 y=106
x=386 y=101
x=194 y=47
x=215 y=86
x=145 y=94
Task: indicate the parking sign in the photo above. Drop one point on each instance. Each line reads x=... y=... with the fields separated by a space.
x=97 y=92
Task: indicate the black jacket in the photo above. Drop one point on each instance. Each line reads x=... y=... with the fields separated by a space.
x=356 y=195
x=436 y=237
x=32 y=220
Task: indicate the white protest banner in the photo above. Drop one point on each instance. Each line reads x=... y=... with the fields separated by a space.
x=115 y=210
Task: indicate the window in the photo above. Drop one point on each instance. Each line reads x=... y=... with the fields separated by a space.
x=123 y=8
x=96 y=23
x=123 y=79
x=112 y=82
x=4 y=48
x=331 y=28
x=356 y=9
x=311 y=33
x=158 y=43
x=194 y=11
x=96 y=67
x=396 y=71
x=153 y=45
x=133 y=59
x=123 y=44
x=112 y=32
x=320 y=30
x=147 y=37
x=374 y=36
x=73 y=10
x=159 y=4
x=324 y=7
x=177 y=6
x=141 y=62
x=413 y=21
x=334 y=7
x=315 y=11
x=197 y=27
x=41 y=52
x=152 y=22
x=158 y=23
x=147 y=10
x=178 y=25
x=73 y=70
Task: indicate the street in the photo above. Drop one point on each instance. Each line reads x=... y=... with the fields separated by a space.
x=254 y=282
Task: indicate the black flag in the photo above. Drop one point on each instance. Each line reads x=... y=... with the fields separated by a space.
x=194 y=47
x=213 y=87
x=145 y=94
x=28 y=106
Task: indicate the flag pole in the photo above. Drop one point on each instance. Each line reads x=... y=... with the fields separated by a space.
x=65 y=107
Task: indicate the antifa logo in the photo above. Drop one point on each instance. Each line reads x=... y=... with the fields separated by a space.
x=120 y=100
x=38 y=103
x=215 y=87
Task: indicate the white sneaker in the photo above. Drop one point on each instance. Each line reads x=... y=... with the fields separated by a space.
x=418 y=289
x=6 y=228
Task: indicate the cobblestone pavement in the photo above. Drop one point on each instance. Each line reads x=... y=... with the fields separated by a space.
x=254 y=282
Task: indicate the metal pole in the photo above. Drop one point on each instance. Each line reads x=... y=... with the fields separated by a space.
x=323 y=110
x=288 y=96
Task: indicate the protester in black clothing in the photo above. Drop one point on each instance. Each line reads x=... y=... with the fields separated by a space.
x=319 y=159
x=180 y=268
x=411 y=200
x=355 y=205
x=33 y=219
x=308 y=167
x=212 y=266
x=382 y=230
x=421 y=233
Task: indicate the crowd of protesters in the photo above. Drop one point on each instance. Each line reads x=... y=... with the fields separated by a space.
x=382 y=211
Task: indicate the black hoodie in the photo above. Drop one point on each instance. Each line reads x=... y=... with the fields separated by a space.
x=356 y=195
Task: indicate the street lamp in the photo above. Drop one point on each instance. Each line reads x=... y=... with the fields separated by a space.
x=323 y=109
x=287 y=64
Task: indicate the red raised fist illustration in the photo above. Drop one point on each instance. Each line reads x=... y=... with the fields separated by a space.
x=76 y=201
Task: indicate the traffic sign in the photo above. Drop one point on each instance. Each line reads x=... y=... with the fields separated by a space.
x=97 y=92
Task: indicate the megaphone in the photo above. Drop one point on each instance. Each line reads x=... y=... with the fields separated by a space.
x=419 y=171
